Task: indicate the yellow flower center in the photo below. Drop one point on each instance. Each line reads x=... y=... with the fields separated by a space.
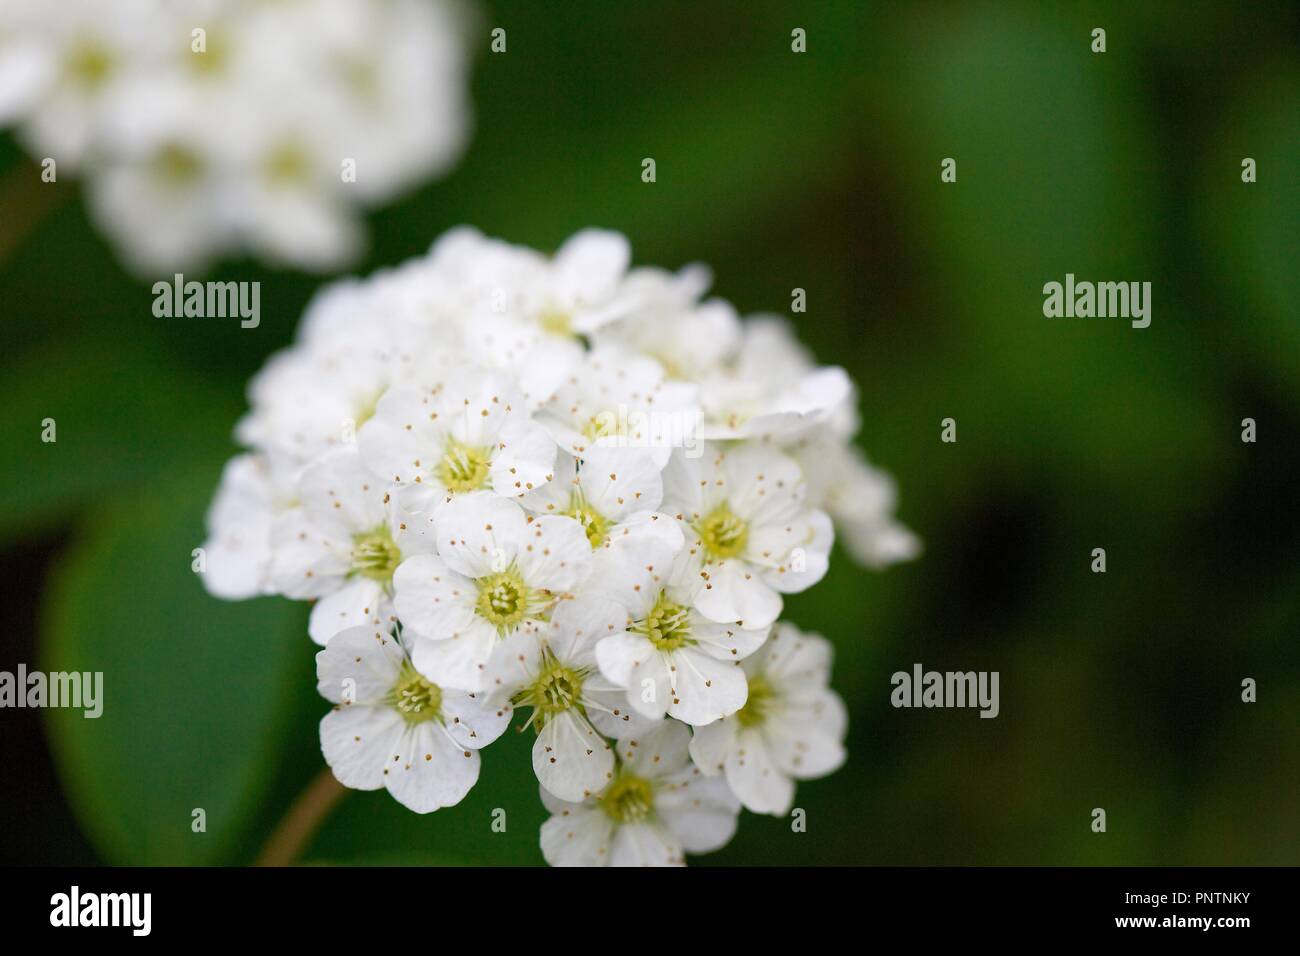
x=626 y=425
x=360 y=74
x=629 y=799
x=90 y=64
x=287 y=164
x=212 y=60
x=503 y=599
x=722 y=533
x=463 y=468
x=374 y=555
x=555 y=322
x=592 y=521
x=177 y=164
x=667 y=626
x=417 y=699
x=759 y=703
x=556 y=689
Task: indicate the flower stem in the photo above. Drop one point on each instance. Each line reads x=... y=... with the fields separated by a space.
x=304 y=818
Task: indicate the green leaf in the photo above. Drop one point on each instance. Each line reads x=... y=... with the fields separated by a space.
x=195 y=690
x=122 y=414
x=1248 y=230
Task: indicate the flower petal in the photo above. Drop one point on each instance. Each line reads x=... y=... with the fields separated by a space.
x=761 y=785
x=577 y=837
x=427 y=770
x=700 y=811
x=432 y=600
x=359 y=665
x=359 y=603
x=570 y=759
x=356 y=741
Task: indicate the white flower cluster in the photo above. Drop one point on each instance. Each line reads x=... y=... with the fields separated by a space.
x=206 y=127
x=554 y=484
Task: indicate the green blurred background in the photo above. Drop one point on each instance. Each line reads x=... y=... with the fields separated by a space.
x=818 y=171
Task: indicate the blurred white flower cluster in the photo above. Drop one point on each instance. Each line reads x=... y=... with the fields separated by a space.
x=554 y=485
x=207 y=127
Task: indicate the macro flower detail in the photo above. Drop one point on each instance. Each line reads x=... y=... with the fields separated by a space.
x=615 y=495
x=620 y=399
x=486 y=469
x=673 y=660
x=577 y=291
x=341 y=545
x=496 y=572
x=657 y=808
x=392 y=728
x=750 y=534
x=770 y=388
x=791 y=728
x=471 y=433
x=553 y=671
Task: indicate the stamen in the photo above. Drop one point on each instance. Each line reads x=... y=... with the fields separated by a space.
x=758 y=705
x=415 y=698
x=375 y=556
x=463 y=468
x=629 y=799
x=504 y=599
x=667 y=626
x=592 y=521
x=723 y=534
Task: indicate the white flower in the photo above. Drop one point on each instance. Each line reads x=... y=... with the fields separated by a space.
x=750 y=535
x=470 y=433
x=266 y=133
x=317 y=394
x=476 y=272
x=392 y=728
x=497 y=571
x=691 y=340
x=67 y=69
x=615 y=495
x=574 y=293
x=457 y=295
x=553 y=671
x=161 y=210
x=341 y=545
x=657 y=808
x=538 y=360
x=772 y=389
x=290 y=207
x=671 y=659
x=485 y=467
x=617 y=399
x=792 y=727
x=389 y=76
x=238 y=551
x=859 y=498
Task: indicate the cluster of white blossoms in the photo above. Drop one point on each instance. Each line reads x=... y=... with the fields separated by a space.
x=205 y=127
x=557 y=485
